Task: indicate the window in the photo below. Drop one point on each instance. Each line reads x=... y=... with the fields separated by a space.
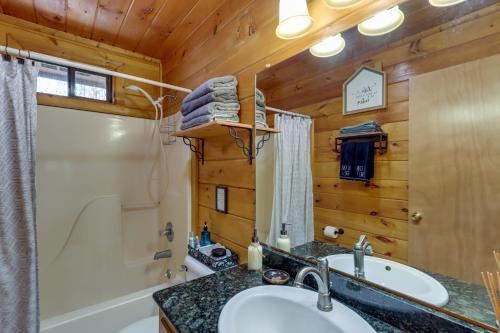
x=72 y=82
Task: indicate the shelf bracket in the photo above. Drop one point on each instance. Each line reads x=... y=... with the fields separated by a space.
x=200 y=153
x=259 y=145
x=247 y=151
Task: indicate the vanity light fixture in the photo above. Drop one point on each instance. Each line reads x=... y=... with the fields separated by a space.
x=294 y=19
x=382 y=23
x=340 y=4
x=328 y=47
x=444 y=3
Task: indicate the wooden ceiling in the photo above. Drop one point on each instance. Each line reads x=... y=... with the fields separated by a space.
x=150 y=27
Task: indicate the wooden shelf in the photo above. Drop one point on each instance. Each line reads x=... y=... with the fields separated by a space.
x=265 y=130
x=213 y=128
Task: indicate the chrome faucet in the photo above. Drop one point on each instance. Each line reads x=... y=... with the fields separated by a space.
x=163 y=254
x=322 y=277
x=361 y=248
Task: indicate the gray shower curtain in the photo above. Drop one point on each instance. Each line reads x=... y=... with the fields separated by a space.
x=19 y=311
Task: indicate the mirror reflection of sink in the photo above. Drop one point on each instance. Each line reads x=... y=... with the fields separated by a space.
x=275 y=309
x=393 y=275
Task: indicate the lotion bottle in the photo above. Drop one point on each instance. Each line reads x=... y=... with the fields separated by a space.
x=284 y=241
x=255 y=253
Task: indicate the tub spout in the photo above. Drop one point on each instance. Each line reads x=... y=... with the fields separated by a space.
x=163 y=254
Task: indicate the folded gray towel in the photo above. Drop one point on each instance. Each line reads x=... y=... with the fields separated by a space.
x=217 y=83
x=223 y=96
x=214 y=108
x=260 y=119
x=260 y=99
x=261 y=124
x=366 y=127
x=259 y=115
x=207 y=118
x=260 y=108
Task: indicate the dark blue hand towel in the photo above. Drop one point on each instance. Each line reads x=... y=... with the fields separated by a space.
x=357 y=163
x=347 y=160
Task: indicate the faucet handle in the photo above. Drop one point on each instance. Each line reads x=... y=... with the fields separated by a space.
x=369 y=250
x=360 y=243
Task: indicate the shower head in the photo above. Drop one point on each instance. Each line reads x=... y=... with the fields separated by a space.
x=138 y=89
x=148 y=96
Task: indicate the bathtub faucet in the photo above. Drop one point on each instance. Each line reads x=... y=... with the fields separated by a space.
x=163 y=254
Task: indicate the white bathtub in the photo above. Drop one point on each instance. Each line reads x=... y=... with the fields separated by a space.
x=110 y=316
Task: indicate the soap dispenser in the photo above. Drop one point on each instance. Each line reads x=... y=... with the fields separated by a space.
x=284 y=240
x=255 y=253
x=205 y=236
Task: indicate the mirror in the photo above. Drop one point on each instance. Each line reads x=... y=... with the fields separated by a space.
x=418 y=175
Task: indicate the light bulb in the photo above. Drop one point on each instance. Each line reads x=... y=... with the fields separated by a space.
x=328 y=47
x=382 y=23
x=294 y=19
x=340 y=4
x=444 y=3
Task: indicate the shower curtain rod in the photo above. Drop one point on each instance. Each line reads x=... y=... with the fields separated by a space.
x=68 y=63
x=288 y=113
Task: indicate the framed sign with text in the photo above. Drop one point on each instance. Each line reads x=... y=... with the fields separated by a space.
x=365 y=90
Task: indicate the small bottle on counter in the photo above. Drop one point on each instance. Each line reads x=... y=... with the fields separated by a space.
x=197 y=243
x=192 y=240
x=284 y=241
x=205 y=236
x=255 y=253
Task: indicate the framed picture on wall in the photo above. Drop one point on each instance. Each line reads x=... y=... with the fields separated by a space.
x=221 y=199
x=365 y=90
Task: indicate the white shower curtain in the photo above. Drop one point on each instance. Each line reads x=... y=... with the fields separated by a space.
x=19 y=310
x=293 y=197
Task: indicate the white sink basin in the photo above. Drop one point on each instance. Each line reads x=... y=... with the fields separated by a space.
x=393 y=275
x=281 y=309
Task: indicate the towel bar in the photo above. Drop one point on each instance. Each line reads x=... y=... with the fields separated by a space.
x=380 y=139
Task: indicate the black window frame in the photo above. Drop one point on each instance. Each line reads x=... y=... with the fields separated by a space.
x=72 y=82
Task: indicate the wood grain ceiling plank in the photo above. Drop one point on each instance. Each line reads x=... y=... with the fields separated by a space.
x=109 y=17
x=197 y=18
x=165 y=25
x=80 y=17
x=139 y=18
x=189 y=37
x=23 y=9
x=51 y=13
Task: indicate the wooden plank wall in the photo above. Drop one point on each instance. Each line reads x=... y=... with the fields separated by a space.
x=29 y=36
x=239 y=39
x=380 y=210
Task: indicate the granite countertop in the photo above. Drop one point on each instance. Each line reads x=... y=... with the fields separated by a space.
x=467 y=299
x=195 y=306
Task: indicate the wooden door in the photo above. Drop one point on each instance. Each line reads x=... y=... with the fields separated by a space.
x=454 y=163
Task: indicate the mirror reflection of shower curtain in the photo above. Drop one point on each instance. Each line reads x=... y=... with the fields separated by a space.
x=19 y=310
x=293 y=196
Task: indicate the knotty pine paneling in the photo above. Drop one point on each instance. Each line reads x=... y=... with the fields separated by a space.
x=241 y=42
x=33 y=37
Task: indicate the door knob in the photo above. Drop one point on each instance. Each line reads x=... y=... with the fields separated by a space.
x=416 y=217
x=168 y=231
